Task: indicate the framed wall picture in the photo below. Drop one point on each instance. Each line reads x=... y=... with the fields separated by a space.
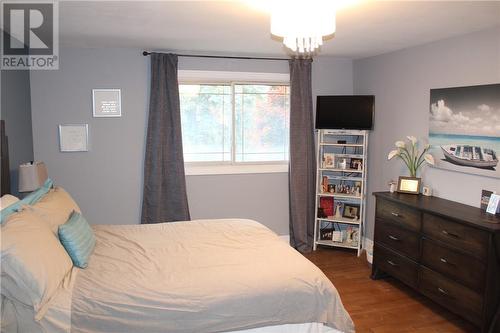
x=409 y=185
x=464 y=127
x=73 y=137
x=106 y=102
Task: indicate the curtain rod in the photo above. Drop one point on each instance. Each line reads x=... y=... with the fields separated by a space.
x=146 y=53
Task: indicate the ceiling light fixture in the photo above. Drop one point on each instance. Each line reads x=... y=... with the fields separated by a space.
x=303 y=26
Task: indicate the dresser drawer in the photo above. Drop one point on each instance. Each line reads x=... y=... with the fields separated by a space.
x=398 y=239
x=408 y=217
x=451 y=295
x=469 y=239
x=396 y=265
x=462 y=268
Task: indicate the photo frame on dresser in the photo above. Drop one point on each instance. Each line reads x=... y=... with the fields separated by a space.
x=409 y=185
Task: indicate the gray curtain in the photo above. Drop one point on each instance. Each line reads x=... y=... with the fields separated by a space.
x=302 y=172
x=164 y=194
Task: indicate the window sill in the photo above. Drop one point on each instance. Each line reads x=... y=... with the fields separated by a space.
x=199 y=170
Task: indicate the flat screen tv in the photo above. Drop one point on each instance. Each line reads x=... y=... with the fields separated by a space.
x=345 y=112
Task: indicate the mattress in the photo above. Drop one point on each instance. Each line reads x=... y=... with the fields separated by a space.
x=198 y=276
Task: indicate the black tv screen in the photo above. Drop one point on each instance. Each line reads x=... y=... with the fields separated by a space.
x=345 y=112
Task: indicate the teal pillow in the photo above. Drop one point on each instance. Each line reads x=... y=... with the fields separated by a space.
x=78 y=239
x=30 y=199
x=36 y=195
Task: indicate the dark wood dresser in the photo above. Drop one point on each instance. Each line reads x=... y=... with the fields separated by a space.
x=445 y=250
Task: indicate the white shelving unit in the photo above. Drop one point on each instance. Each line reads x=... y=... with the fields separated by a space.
x=341 y=188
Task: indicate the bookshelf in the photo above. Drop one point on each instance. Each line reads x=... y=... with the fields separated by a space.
x=340 y=188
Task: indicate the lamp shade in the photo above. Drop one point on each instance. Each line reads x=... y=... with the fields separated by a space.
x=32 y=176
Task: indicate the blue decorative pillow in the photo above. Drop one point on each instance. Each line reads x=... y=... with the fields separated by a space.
x=30 y=199
x=36 y=195
x=78 y=239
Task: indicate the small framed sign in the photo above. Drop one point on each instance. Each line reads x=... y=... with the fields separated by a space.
x=494 y=204
x=107 y=102
x=73 y=137
x=409 y=185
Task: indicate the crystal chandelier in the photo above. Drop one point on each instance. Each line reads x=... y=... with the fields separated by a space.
x=303 y=26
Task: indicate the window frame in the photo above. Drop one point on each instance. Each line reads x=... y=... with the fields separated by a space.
x=186 y=77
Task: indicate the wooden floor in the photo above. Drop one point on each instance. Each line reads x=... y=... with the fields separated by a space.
x=386 y=305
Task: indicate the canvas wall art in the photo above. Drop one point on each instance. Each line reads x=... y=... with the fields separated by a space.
x=464 y=129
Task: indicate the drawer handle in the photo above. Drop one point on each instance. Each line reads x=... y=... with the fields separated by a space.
x=393 y=238
x=395 y=214
x=392 y=263
x=445 y=261
x=449 y=234
x=442 y=291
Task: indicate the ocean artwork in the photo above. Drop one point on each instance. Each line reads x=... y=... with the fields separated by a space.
x=464 y=129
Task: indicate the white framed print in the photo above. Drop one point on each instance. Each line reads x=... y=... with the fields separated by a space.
x=494 y=204
x=107 y=102
x=73 y=137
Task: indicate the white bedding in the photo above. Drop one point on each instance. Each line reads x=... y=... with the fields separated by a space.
x=138 y=273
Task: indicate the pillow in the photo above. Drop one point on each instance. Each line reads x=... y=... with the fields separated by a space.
x=36 y=195
x=30 y=199
x=55 y=207
x=78 y=239
x=33 y=259
x=7 y=200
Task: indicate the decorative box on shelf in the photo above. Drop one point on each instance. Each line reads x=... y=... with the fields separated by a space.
x=340 y=190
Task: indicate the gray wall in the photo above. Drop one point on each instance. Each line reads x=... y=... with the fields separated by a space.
x=401 y=82
x=16 y=111
x=107 y=180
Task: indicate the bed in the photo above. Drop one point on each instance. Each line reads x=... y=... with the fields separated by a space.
x=195 y=276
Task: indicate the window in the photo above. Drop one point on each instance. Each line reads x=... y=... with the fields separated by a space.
x=235 y=123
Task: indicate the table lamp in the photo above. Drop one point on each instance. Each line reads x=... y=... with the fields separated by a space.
x=32 y=175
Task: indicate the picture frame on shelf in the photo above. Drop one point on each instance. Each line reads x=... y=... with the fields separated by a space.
x=409 y=185
x=328 y=161
x=356 y=164
x=351 y=211
x=326 y=233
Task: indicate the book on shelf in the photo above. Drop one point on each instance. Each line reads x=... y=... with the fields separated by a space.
x=326 y=204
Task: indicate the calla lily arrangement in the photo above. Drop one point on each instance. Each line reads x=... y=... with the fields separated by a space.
x=410 y=154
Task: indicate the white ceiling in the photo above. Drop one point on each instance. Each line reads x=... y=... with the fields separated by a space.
x=235 y=28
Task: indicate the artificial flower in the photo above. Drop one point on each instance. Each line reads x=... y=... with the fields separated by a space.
x=429 y=159
x=410 y=154
x=412 y=139
x=393 y=153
